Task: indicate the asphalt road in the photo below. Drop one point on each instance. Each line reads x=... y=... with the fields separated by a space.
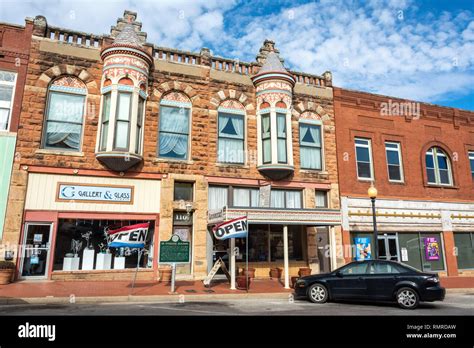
x=454 y=304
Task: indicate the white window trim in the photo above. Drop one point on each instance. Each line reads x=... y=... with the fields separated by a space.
x=399 y=152
x=10 y=107
x=238 y=113
x=369 y=147
x=321 y=129
x=471 y=157
x=436 y=168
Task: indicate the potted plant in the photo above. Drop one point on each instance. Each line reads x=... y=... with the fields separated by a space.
x=242 y=282
x=6 y=272
x=304 y=271
x=275 y=273
x=251 y=273
x=293 y=281
x=165 y=274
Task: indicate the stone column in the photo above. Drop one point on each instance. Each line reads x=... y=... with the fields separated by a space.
x=285 y=257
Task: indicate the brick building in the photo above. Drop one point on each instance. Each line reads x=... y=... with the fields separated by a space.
x=421 y=159
x=116 y=131
x=14 y=51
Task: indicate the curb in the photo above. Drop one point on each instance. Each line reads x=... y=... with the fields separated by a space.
x=133 y=299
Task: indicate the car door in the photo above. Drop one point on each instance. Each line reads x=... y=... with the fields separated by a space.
x=350 y=282
x=381 y=280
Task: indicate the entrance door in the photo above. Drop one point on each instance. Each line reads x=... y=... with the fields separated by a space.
x=322 y=241
x=388 y=247
x=36 y=248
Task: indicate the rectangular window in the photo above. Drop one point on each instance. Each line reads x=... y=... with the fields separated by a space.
x=464 y=243
x=363 y=158
x=266 y=139
x=122 y=123
x=471 y=161
x=7 y=88
x=105 y=121
x=138 y=144
x=174 y=132
x=424 y=251
x=231 y=138
x=281 y=138
x=245 y=197
x=183 y=191
x=321 y=199
x=286 y=199
x=217 y=197
x=310 y=146
x=394 y=161
x=64 y=120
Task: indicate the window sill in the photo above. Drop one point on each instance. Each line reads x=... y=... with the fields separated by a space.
x=397 y=182
x=7 y=133
x=168 y=160
x=314 y=171
x=365 y=179
x=59 y=153
x=452 y=187
x=232 y=165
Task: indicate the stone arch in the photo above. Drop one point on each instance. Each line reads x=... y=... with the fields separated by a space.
x=309 y=109
x=176 y=86
x=65 y=69
x=230 y=94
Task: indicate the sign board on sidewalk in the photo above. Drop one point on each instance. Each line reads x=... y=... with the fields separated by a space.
x=219 y=264
x=174 y=250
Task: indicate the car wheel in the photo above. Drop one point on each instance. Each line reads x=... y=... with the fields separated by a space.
x=407 y=298
x=318 y=293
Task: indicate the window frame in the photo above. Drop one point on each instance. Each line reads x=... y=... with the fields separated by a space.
x=398 y=150
x=232 y=114
x=43 y=145
x=117 y=120
x=371 y=163
x=102 y=122
x=269 y=138
x=326 y=199
x=12 y=99
x=470 y=157
x=434 y=150
x=279 y=116
x=140 y=123
x=320 y=147
x=186 y=183
x=285 y=198
x=188 y=108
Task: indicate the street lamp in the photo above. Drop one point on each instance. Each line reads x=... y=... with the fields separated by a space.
x=372 y=192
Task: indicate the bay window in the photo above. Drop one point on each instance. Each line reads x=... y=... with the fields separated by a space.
x=122 y=121
x=105 y=121
x=231 y=138
x=310 y=146
x=174 y=132
x=266 y=139
x=281 y=138
x=7 y=88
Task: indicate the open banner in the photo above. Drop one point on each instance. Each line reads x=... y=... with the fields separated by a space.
x=133 y=236
x=235 y=228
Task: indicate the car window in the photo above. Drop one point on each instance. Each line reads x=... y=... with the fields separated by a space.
x=357 y=268
x=384 y=268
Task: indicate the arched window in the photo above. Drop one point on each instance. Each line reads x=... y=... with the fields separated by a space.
x=64 y=114
x=174 y=126
x=438 y=167
x=231 y=132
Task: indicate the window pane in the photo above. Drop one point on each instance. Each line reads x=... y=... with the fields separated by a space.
x=63 y=135
x=173 y=145
x=293 y=199
x=183 y=191
x=444 y=176
x=267 y=151
x=429 y=160
x=230 y=150
x=241 y=197
x=362 y=141
x=217 y=197
x=277 y=199
x=174 y=119
x=363 y=170
x=65 y=107
x=362 y=154
x=4 y=114
x=321 y=199
x=106 y=107
x=310 y=135
x=103 y=141
x=231 y=126
x=392 y=157
x=464 y=243
x=431 y=175
x=310 y=158
x=394 y=173
x=124 y=101
x=6 y=93
x=281 y=150
x=121 y=135
x=442 y=162
x=255 y=196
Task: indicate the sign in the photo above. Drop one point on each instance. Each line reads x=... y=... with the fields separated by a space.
x=216 y=216
x=37 y=238
x=182 y=218
x=264 y=196
x=363 y=249
x=95 y=194
x=404 y=254
x=219 y=264
x=133 y=236
x=174 y=250
x=235 y=228
x=431 y=249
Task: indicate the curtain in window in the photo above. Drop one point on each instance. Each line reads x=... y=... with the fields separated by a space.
x=4 y=114
x=321 y=199
x=241 y=197
x=64 y=120
x=174 y=128
x=217 y=197
x=293 y=199
x=310 y=146
x=266 y=140
x=277 y=199
x=255 y=195
x=105 y=121
x=231 y=138
x=281 y=135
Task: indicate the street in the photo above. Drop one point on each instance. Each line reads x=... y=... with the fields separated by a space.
x=454 y=304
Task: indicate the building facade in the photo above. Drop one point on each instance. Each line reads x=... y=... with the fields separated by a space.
x=420 y=158
x=117 y=131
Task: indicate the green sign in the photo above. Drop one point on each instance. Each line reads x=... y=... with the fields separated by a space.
x=174 y=251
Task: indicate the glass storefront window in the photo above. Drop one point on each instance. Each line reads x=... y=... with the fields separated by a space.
x=80 y=233
x=464 y=242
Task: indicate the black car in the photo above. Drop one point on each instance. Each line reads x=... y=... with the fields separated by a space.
x=372 y=280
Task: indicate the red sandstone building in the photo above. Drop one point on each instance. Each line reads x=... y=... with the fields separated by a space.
x=421 y=159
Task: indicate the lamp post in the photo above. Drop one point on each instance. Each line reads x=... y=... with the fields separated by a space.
x=372 y=192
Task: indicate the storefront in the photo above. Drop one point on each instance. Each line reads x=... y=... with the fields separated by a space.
x=67 y=220
x=429 y=236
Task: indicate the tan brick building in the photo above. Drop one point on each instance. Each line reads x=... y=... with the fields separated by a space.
x=116 y=131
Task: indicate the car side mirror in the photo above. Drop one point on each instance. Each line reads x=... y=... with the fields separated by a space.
x=339 y=274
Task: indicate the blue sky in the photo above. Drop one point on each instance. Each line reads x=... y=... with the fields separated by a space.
x=422 y=50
